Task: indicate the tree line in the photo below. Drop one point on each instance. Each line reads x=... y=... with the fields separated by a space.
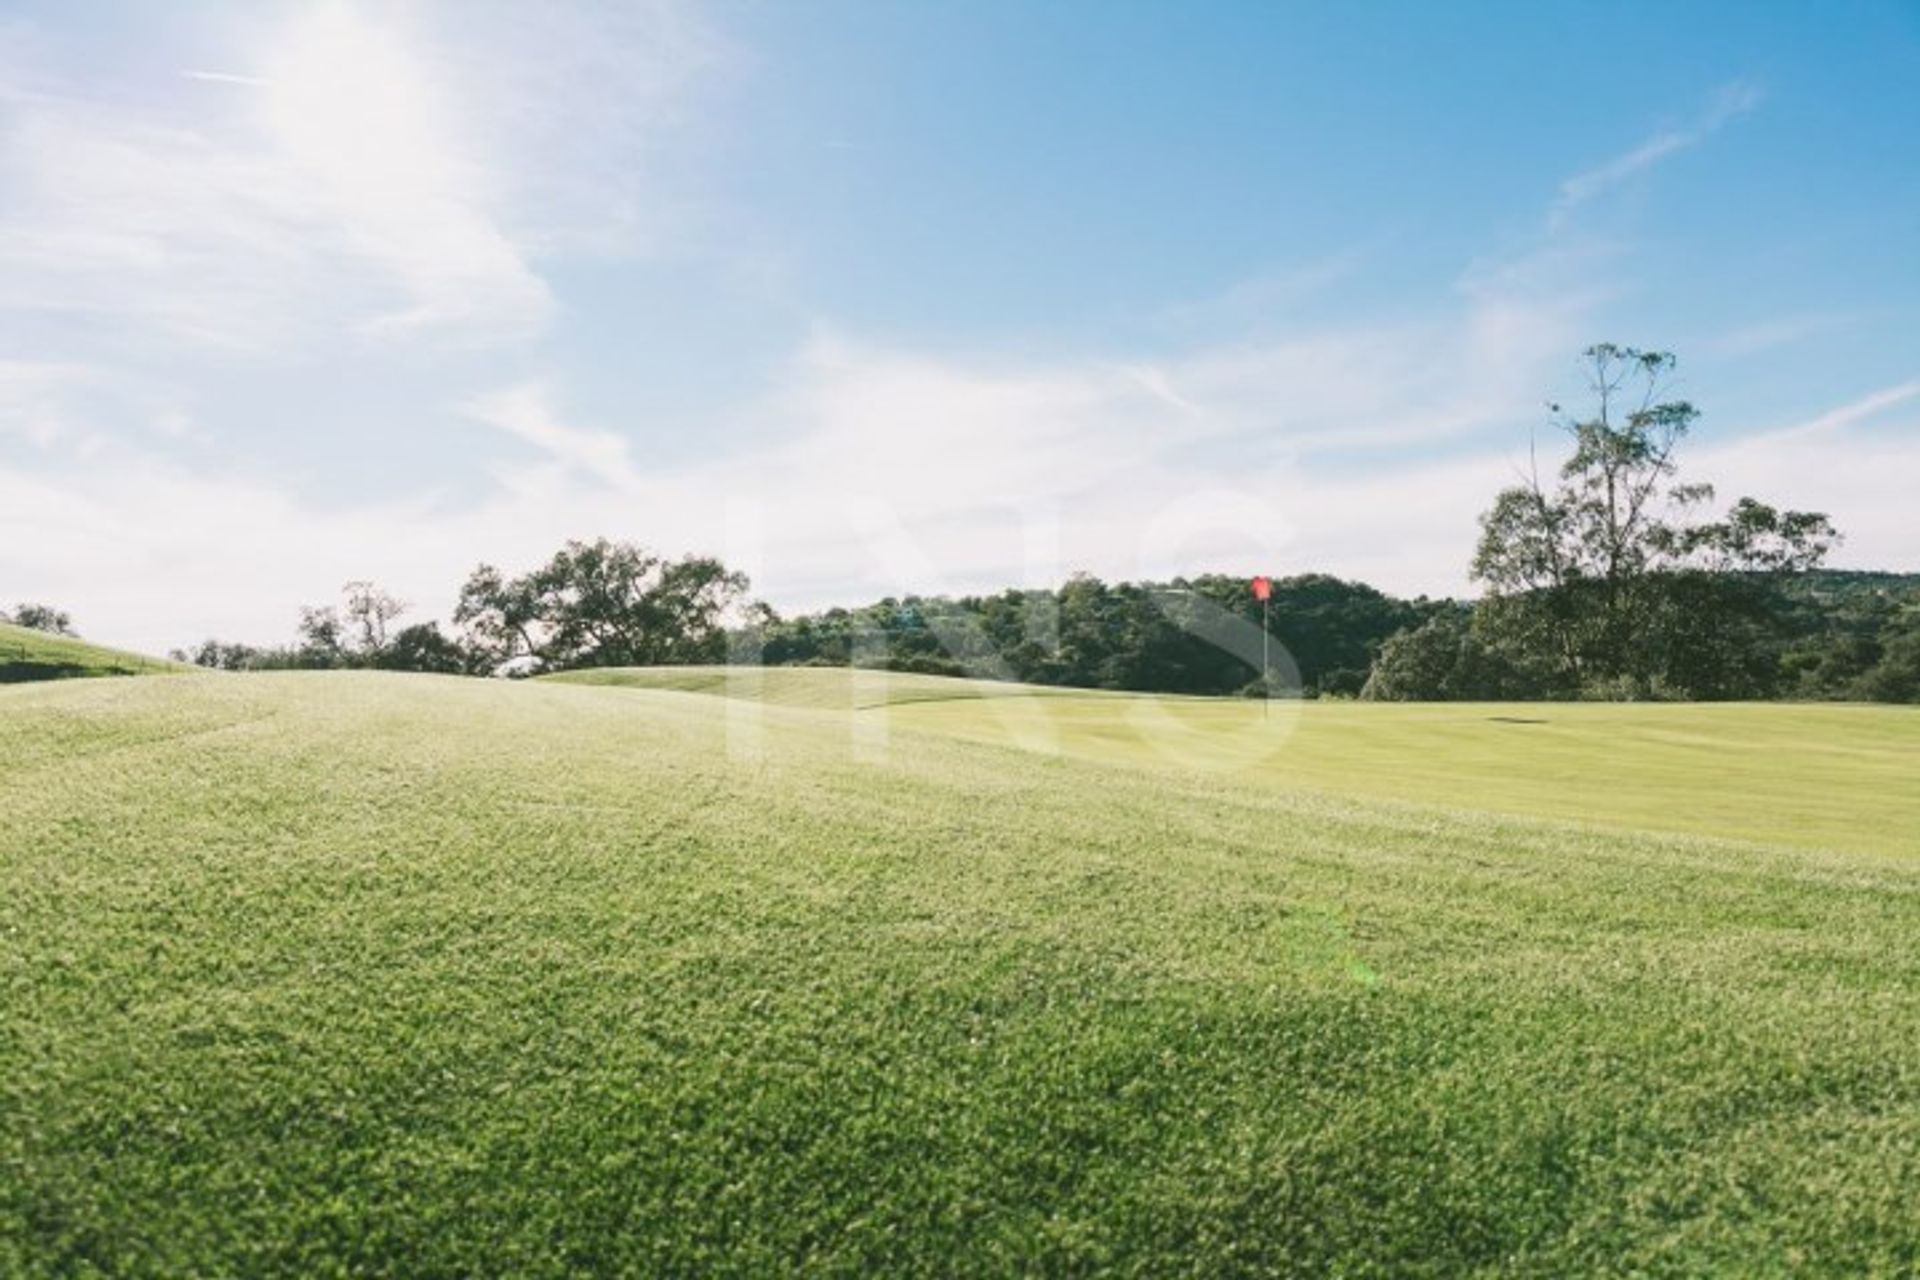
x=1607 y=576
x=592 y=604
x=1611 y=578
x=1149 y=636
x=40 y=617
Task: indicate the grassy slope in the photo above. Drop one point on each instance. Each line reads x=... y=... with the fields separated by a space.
x=26 y=654
x=1812 y=776
x=834 y=688
x=353 y=972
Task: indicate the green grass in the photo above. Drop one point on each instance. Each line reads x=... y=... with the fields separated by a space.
x=835 y=688
x=26 y=654
x=1812 y=776
x=344 y=973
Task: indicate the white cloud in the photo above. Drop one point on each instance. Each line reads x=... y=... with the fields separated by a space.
x=1771 y=335
x=1731 y=100
x=177 y=424
x=1258 y=300
x=1866 y=408
x=891 y=472
x=33 y=399
x=340 y=178
x=878 y=471
x=370 y=143
x=1856 y=462
x=225 y=77
x=331 y=194
x=578 y=102
x=525 y=413
x=357 y=169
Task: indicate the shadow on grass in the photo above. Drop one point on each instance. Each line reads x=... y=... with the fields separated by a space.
x=25 y=672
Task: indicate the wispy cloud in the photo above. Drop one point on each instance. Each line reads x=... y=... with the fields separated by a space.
x=1854 y=412
x=526 y=413
x=1771 y=335
x=347 y=188
x=225 y=77
x=1270 y=295
x=393 y=181
x=334 y=197
x=1732 y=100
x=373 y=145
x=1855 y=461
x=887 y=471
x=865 y=459
x=32 y=399
x=372 y=173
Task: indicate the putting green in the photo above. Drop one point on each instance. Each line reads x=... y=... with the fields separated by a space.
x=1834 y=777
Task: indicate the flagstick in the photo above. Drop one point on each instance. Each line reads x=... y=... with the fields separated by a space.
x=1266 y=665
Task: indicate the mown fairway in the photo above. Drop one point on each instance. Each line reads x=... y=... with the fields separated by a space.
x=1818 y=776
x=349 y=973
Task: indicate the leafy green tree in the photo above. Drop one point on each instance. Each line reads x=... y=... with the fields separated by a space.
x=356 y=633
x=1845 y=623
x=600 y=603
x=423 y=647
x=1585 y=567
x=369 y=612
x=1158 y=636
x=1446 y=659
x=1332 y=628
x=1896 y=676
x=352 y=635
x=223 y=656
x=42 y=617
x=501 y=619
x=1711 y=636
x=322 y=637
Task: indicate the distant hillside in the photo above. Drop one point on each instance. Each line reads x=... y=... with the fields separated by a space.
x=26 y=654
x=1839 y=586
x=1828 y=634
x=1159 y=637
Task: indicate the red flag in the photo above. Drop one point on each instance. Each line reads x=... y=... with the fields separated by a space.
x=1262 y=588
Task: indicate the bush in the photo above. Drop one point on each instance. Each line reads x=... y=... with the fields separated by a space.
x=1444 y=659
x=1896 y=677
x=41 y=617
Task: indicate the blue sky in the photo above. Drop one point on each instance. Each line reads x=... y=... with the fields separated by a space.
x=882 y=297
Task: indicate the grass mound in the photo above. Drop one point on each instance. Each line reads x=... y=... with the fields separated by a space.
x=831 y=688
x=26 y=654
x=344 y=973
